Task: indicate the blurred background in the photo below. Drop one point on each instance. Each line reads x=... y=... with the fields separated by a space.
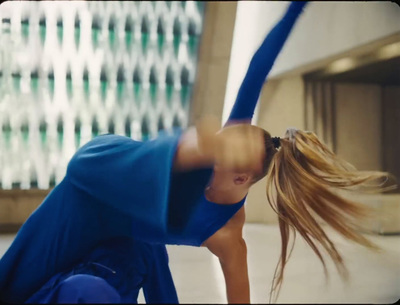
x=71 y=70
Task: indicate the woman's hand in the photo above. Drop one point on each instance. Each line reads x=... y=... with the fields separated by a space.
x=235 y=147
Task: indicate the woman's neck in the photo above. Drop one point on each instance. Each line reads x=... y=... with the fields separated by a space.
x=224 y=196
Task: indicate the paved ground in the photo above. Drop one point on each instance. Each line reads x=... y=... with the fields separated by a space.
x=374 y=277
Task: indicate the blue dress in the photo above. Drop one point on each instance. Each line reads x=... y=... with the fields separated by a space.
x=121 y=194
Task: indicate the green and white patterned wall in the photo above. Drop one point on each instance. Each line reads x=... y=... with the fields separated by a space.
x=71 y=70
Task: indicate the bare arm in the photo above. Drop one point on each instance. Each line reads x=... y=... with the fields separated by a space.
x=237 y=147
x=229 y=246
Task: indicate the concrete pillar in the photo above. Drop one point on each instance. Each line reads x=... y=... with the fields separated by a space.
x=213 y=62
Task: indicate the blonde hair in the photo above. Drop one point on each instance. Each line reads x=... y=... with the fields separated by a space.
x=301 y=181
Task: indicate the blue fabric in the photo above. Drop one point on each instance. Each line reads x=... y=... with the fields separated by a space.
x=125 y=265
x=192 y=218
x=116 y=187
x=262 y=62
x=77 y=289
x=159 y=286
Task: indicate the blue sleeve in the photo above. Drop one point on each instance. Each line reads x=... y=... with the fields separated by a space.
x=130 y=176
x=262 y=62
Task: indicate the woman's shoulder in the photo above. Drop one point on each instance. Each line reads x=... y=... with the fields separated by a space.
x=229 y=233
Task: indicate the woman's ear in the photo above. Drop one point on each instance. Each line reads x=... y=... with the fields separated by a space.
x=241 y=179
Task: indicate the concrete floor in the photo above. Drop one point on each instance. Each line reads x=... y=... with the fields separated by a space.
x=374 y=277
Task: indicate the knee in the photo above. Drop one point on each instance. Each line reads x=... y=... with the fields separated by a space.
x=84 y=288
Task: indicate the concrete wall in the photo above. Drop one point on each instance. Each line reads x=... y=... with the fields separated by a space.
x=324 y=31
x=245 y=38
x=359 y=124
x=391 y=130
x=281 y=106
x=329 y=28
x=363 y=112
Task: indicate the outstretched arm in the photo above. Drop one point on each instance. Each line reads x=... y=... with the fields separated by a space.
x=230 y=248
x=261 y=64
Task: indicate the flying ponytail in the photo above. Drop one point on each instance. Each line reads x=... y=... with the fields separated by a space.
x=301 y=183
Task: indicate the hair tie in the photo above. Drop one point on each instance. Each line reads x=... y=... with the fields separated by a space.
x=276 y=141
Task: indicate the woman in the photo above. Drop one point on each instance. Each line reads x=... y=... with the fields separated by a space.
x=186 y=189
